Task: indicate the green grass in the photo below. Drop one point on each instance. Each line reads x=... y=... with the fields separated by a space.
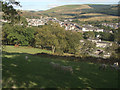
x=36 y=72
x=25 y=49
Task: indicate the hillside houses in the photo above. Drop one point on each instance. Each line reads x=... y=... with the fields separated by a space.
x=112 y=25
x=36 y=22
x=43 y=21
x=66 y=25
x=71 y=26
x=95 y=40
x=100 y=43
x=103 y=44
x=87 y=28
x=100 y=48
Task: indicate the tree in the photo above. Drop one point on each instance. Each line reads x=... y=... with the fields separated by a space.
x=89 y=35
x=117 y=40
x=56 y=38
x=85 y=48
x=9 y=13
x=23 y=21
x=117 y=36
x=17 y=34
x=45 y=37
x=106 y=36
x=73 y=39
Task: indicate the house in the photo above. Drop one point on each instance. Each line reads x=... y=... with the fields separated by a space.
x=112 y=25
x=99 y=30
x=98 y=36
x=107 y=55
x=81 y=41
x=70 y=26
x=36 y=22
x=85 y=29
x=103 y=44
x=88 y=28
x=95 y=40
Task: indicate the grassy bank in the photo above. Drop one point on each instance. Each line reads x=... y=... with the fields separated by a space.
x=25 y=49
x=36 y=72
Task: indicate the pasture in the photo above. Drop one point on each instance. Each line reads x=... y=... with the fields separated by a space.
x=36 y=72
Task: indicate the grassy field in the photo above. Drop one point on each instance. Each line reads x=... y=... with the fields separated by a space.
x=100 y=18
x=36 y=72
x=25 y=49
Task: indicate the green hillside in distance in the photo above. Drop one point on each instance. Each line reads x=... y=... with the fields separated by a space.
x=80 y=12
x=85 y=8
x=67 y=8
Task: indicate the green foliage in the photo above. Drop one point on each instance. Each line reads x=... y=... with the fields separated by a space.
x=106 y=36
x=9 y=13
x=117 y=35
x=17 y=34
x=73 y=40
x=56 y=38
x=85 y=48
x=23 y=21
x=25 y=49
x=89 y=35
x=117 y=40
x=118 y=52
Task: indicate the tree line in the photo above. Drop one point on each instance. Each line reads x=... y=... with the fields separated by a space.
x=50 y=36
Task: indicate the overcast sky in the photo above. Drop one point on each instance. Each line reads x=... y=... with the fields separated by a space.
x=47 y=4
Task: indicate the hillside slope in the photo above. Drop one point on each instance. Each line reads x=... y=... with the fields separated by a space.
x=85 y=11
x=90 y=8
x=36 y=72
x=67 y=8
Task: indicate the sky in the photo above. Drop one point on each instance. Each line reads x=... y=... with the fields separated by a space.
x=47 y=4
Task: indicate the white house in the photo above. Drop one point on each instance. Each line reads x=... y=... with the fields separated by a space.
x=102 y=44
x=91 y=28
x=99 y=30
x=96 y=40
x=86 y=29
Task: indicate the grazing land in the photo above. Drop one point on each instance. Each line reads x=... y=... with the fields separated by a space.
x=36 y=71
x=100 y=18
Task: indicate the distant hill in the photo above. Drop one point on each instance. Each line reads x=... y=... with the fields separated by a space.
x=87 y=8
x=32 y=14
x=81 y=12
x=67 y=8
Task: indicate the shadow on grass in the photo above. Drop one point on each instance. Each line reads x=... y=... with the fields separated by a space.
x=73 y=58
x=36 y=72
